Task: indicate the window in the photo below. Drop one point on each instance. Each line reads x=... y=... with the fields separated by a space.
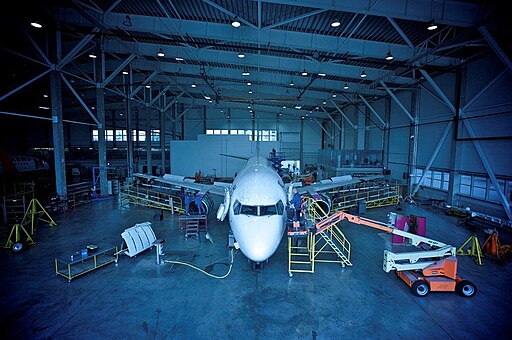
x=109 y=135
x=209 y=132
x=427 y=181
x=234 y=132
x=479 y=187
x=494 y=196
x=266 y=210
x=241 y=132
x=216 y=132
x=94 y=135
x=249 y=210
x=417 y=175
x=446 y=180
x=224 y=132
x=273 y=135
x=465 y=185
x=142 y=136
x=264 y=135
x=121 y=136
x=436 y=179
x=155 y=135
x=280 y=207
x=236 y=207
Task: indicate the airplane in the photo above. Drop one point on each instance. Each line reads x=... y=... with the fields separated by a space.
x=21 y=164
x=256 y=202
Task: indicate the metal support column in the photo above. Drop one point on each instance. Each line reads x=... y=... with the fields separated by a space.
x=387 y=119
x=413 y=149
x=100 y=108
x=162 y=136
x=149 y=156
x=301 y=151
x=58 y=135
x=129 y=134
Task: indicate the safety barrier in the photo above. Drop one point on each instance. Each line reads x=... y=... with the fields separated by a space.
x=151 y=198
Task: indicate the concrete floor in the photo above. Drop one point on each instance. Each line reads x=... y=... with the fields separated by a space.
x=138 y=299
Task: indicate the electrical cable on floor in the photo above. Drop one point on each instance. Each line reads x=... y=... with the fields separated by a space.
x=205 y=272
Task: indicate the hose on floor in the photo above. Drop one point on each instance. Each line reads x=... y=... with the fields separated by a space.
x=205 y=272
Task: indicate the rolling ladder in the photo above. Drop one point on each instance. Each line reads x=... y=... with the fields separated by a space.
x=322 y=241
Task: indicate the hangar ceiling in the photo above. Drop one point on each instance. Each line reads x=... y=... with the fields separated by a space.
x=296 y=59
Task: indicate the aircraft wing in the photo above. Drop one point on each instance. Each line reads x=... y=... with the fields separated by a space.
x=182 y=182
x=332 y=183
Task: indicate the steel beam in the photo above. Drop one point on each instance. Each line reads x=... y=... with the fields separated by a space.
x=25 y=84
x=332 y=119
x=290 y=20
x=397 y=101
x=144 y=83
x=496 y=47
x=482 y=91
x=279 y=38
x=100 y=109
x=118 y=69
x=71 y=55
x=223 y=10
x=372 y=110
x=173 y=101
x=399 y=30
x=160 y=94
x=149 y=154
x=343 y=114
x=454 y=13
x=487 y=166
x=438 y=90
x=80 y=100
x=325 y=130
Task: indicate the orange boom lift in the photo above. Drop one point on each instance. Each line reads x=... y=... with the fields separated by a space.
x=423 y=271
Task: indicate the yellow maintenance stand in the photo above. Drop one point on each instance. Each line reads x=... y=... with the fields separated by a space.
x=307 y=247
x=35 y=213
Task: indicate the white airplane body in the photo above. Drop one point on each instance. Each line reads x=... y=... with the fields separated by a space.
x=257 y=209
x=256 y=202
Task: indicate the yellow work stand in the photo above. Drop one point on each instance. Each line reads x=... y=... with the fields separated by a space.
x=78 y=265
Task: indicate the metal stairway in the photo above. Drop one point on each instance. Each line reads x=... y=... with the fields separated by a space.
x=328 y=229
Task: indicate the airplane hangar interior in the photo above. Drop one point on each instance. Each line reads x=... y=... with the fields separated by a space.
x=255 y=169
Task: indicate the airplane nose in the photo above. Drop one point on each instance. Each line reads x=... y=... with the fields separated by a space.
x=258 y=241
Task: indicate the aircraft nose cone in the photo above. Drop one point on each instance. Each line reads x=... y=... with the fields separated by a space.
x=259 y=241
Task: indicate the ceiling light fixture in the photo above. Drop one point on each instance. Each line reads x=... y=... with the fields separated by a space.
x=249 y=83
x=178 y=59
x=44 y=107
x=334 y=95
x=292 y=83
x=324 y=102
x=389 y=56
x=335 y=23
x=36 y=24
x=127 y=21
x=298 y=107
x=210 y=101
x=193 y=85
x=235 y=22
x=92 y=55
x=284 y=106
x=125 y=72
x=250 y=91
x=45 y=95
x=248 y=106
x=363 y=74
x=207 y=97
x=432 y=25
x=148 y=86
x=304 y=73
x=345 y=86
x=245 y=72
x=160 y=53
x=321 y=74
x=241 y=55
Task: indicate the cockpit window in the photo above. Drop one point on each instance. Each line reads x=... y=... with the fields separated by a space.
x=236 y=207
x=249 y=210
x=268 y=210
x=258 y=210
x=280 y=207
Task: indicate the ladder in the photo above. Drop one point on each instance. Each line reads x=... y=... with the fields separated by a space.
x=334 y=237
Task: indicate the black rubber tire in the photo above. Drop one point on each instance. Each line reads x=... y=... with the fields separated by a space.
x=466 y=289
x=420 y=288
